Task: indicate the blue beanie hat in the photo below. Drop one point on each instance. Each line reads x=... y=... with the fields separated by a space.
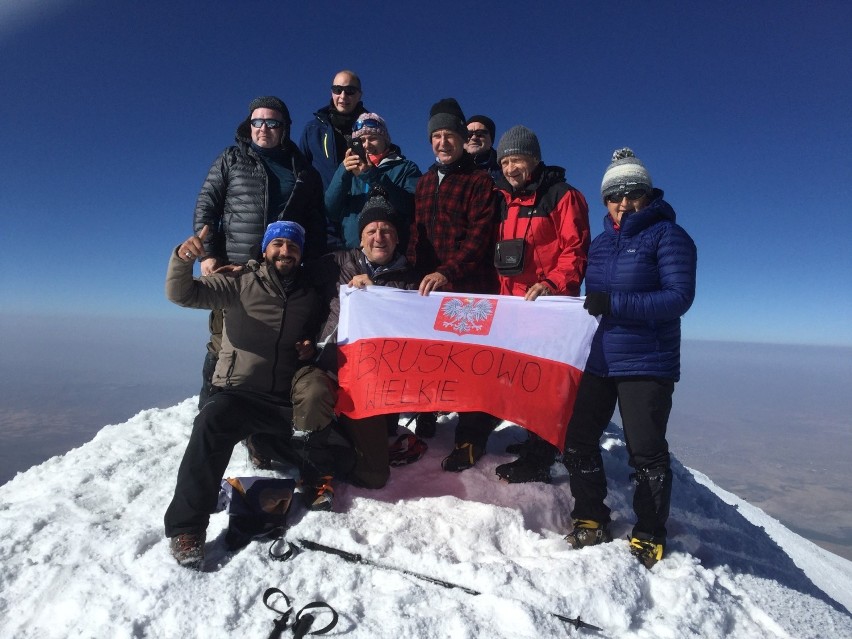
x=287 y=230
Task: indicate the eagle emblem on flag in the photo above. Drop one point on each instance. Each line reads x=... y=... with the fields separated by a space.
x=465 y=315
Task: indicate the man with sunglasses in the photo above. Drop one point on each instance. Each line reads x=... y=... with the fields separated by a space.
x=260 y=179
x=326 y=137
x=481 y=133
x=382 y=165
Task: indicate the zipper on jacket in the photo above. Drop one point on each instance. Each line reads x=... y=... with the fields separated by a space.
x=230 y=371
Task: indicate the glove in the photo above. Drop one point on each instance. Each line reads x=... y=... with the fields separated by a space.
x=598 y=303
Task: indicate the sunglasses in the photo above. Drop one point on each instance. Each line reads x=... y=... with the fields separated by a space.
x=632 y=195
x=337 y=89
x=369 y=123
x=479 y=133
x=269 y=122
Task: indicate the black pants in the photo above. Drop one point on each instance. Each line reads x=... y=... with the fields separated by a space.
x=474 y=428
x=644 y=404
x=226 y=418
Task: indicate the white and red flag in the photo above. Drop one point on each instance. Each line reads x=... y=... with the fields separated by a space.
x=521 y=361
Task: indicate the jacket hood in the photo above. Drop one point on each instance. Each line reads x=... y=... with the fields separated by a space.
x=657 y=211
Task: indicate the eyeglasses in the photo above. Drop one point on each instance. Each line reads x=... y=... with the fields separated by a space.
x=369 y=123
x=479 y=133
x=269 y=122
x=632 y=195
x=337 y=89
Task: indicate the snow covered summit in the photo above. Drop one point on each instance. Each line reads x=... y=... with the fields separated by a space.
x=84 y=555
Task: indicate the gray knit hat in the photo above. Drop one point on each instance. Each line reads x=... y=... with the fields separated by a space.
x=624 y=174
x=271 y=102
x=447 y=114
x=377 y=208
x=518 y=140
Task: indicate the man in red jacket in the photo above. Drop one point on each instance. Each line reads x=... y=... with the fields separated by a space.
x=543 y=238
x=452 y=242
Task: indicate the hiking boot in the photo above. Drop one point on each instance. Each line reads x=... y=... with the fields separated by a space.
x=257 y=459
x=518 y=448
x=188 y=550
x=320 y=495
x=647 y=551
x=407 y=449
x=426 y=425
x=587 y=532
x=464 y=456
x=524 y=470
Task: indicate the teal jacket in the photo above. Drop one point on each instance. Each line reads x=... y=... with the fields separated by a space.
x=347 y=194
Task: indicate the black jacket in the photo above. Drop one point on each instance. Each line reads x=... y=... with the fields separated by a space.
x=234 y=203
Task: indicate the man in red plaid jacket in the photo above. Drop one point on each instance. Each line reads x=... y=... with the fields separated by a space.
x=452 y=244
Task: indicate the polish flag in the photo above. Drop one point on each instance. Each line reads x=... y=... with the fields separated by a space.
x=401 y=352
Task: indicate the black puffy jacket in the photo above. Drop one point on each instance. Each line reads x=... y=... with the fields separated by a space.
x=234 y=203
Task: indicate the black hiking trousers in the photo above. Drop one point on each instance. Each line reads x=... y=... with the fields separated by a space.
x=644 y=404
x=226 y=418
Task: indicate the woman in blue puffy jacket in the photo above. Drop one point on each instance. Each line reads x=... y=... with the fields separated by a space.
x=640 y=280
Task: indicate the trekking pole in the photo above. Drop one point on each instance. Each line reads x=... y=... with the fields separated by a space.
x=357 y=558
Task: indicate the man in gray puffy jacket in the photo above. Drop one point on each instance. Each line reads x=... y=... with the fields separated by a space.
x=260 y=179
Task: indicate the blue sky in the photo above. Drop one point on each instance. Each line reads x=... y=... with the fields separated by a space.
x=113 y=112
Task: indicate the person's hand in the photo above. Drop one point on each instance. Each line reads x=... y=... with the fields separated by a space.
x=537 y=289
x=353 y=164
x=432 y=282
x=361 y=281
x=209 y=265
x=193 y=247
x=598 y=303
x=305 y=350
x=227 y=268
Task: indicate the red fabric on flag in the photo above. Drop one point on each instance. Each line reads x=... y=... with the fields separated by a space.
x=409 y=353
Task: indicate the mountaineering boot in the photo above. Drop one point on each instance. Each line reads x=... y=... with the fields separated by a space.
x=464 y=456
x=587 y=533
x=523 y=470
x=534 y=464
x=257 y=459
x=188 y=550
x=407 y=449
x=647 y=550
x=319 y=495
x=518 y=448
x=426 y=425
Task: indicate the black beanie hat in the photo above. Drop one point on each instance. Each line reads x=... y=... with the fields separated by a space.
x=377 y=208
x=271 y=102
x=487 y=122
x=447 y=114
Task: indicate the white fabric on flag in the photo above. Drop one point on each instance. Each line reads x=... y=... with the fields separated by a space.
x=521 y=361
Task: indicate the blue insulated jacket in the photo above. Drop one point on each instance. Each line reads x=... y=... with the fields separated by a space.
x=347 y=194
x=648 y=268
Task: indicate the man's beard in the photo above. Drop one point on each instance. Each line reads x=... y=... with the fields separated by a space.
x=284 y=269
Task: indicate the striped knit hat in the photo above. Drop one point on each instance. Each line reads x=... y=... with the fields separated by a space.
x=625 y=173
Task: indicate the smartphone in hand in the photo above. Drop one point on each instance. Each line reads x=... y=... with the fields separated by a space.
x=357 y=148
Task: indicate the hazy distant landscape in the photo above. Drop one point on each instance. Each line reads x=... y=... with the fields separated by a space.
x=768 y=423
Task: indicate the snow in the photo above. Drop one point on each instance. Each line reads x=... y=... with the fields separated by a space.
x=83 y=555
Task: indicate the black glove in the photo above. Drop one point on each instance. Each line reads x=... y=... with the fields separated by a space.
x=597 y=303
